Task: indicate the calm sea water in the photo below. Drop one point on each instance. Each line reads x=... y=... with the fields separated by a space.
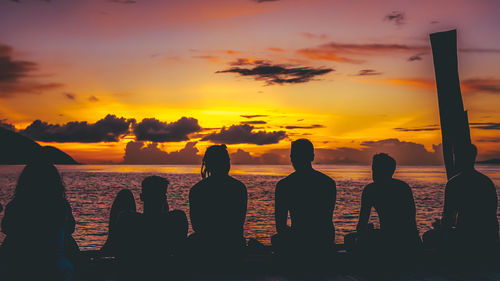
x=92 y=188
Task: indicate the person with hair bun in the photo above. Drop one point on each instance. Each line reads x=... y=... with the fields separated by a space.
x=217 y=207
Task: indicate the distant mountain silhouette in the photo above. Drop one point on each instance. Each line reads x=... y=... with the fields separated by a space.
x=18 y=149
x=490 y=161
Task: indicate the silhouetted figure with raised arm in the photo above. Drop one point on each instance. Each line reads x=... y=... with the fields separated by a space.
x=309 y=197
x=393 y=200
x=470 y=206
x=123 y=203
x=217 y=208
x=149 y=245
x=37 y=222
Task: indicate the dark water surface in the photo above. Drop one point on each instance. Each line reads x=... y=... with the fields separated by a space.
x=92 y=188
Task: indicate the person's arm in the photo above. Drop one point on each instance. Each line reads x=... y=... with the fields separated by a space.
x=450 y=209
x=364 y=212
x=70 y=220
x=244 y=206
x=194 y=212
x=334 y=198
x=280 y=209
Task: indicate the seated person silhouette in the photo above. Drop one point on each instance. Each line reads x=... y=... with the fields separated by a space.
x=123 y=203
x=393 y=201
x=37 y=222
x=309 y=197
x=148 y=242
x=217 y=208
x=470 y=206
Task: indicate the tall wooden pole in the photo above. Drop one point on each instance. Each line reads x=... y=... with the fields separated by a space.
x=454 y=121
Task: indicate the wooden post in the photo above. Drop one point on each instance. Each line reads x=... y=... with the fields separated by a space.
x=454 y=121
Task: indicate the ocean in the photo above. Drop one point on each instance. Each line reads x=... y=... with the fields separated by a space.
x=91 y=190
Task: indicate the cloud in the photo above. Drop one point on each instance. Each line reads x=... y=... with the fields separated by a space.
x=279 y=74
x=123 y=1
x=487 y=85
x=419 y=129
x=108 y=129
x=485 y=125
x=244 y=134
x=315 y=126
x=93 y=99
x=254 y=122
x=368 y=72
x=70 y=96
x=7 y=126
x=277 y=50
x=262 y=1
x=249 y=61
x=268 y=158
x=15 y=75
x=136 y=152
x=151 y=129
x=314 y=36
x=396 y=17
x=253 y=116
x=416 y=57
x=344 y=52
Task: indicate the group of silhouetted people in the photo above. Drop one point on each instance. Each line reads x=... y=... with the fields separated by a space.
x=38 y=222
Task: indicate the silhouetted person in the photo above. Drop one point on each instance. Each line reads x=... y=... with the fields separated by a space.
x=309 y=197
x=37 y=222
x=393 y=201
x=217 y=208
x=123 y=203
x=149 y=244
x=470 y=205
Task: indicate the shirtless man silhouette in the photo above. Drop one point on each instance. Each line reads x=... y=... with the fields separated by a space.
x=309 y=197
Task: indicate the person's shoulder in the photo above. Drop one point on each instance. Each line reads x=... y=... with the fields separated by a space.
x=197 y=186
x=323 y=177
x=287 y=180
x=236 y=182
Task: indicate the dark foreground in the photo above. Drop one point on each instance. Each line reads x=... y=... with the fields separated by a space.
x=263 y=265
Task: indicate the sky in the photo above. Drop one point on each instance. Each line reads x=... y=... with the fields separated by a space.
x=156 y=82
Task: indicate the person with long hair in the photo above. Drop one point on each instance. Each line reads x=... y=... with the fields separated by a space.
x=217 y=206
x=123 y=203
x=36 y=223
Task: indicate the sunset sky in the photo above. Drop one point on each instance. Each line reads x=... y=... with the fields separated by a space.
x=155 y=81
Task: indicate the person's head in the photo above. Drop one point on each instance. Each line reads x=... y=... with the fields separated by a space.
x=215 y=161
x=466 y=157
x=302 y=154
x=383 y=167
x=40 y=182
x=124 y=202
x=154 y=192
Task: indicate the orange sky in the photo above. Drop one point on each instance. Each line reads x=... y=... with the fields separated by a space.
x=347 y=75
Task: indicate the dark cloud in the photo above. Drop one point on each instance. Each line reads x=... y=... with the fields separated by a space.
x=368 y=72
x=139 y=153
x=485 y=125
x=108 y=129
x=279 y=74
x=70 y=96
x=416 y=57
x=253 y=116
x=315 y=126
x=151 y=129
x=268 y=158
x=396 y=17
x=489 y=85
x=248 y=61
x=15 y=75
x=262 y=1
x=254 y=122
x=93 y=99
x=7 y=126
x=244 y=134
x=419 y=129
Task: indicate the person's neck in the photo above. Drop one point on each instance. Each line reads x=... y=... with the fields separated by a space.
x=152 y=210
x=304 y=168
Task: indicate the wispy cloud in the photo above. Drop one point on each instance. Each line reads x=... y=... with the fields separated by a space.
x=244 y=134
x=396 y=17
